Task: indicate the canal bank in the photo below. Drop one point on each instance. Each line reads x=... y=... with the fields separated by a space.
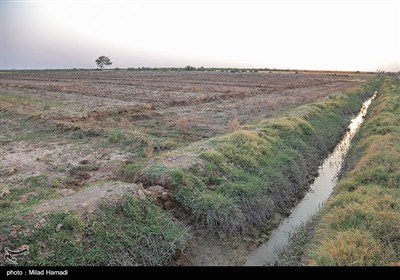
x=359 y=225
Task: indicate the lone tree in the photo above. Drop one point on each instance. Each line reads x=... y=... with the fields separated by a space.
x=102 y=61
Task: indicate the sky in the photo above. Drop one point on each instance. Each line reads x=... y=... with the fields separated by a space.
x=354 y=35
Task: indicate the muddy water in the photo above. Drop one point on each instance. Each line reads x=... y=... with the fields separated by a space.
x=319 y=192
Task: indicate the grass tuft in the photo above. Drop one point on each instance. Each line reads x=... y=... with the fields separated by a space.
x=114 y=136
x=234 y=125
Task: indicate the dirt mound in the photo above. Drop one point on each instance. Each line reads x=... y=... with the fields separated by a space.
x=88 y=199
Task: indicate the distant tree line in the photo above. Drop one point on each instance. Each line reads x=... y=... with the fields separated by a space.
x=199 y=69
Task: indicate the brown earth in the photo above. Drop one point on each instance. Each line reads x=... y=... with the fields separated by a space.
x=204 y=101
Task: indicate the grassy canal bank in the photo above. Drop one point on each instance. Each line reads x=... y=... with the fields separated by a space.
x=361 y=223
x=228 y=184
x=237 y=181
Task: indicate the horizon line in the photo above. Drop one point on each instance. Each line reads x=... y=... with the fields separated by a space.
x=198 y=68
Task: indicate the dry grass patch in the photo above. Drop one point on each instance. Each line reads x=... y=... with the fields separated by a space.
x=351 y=247
x=234 y=125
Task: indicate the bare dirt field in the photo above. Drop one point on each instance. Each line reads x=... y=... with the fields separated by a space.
x=64 y=132
x=161 y=103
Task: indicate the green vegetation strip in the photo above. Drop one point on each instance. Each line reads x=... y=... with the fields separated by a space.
x=361 y=223
x=133 y=232
x=241 y=180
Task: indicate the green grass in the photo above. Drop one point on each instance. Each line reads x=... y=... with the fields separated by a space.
x=293 y=253
x=77 y=169
x=236 y=181
x=135 y=141
x=34 y=130
x=131 y=171
x=30 y=101
x=115 y=136
x=29 y=192
x=82 y=134
x=133 y=232
x=22 y=197
x=361 y=223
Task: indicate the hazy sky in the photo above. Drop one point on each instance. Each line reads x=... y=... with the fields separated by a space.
x=336 y=35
